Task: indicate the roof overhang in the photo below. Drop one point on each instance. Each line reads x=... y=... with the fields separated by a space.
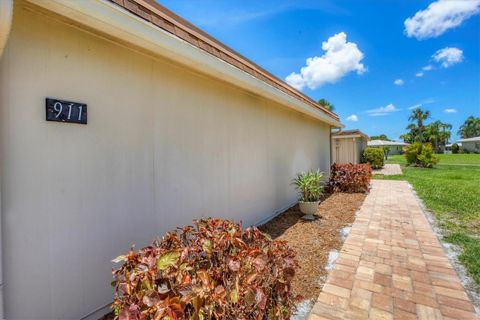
x=348 y=136
x=474 y=139
x=114 y=21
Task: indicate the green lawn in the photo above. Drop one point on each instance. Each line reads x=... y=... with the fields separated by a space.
x=449 y=159
x=452 y=192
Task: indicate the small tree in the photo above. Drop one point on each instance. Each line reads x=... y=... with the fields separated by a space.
x=417 y=130
x=455 y=148
x=386 y=151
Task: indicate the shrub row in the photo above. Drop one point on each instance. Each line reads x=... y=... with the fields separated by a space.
x=212 y=270
x=350 y=177
x=374 y=157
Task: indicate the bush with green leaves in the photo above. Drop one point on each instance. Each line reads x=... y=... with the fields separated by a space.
x=374 y=157
x=420 y=155
x=309 y=185
x=212 y=270
x=455 y=148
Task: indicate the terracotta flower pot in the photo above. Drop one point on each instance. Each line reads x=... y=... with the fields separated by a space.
x=309 y=207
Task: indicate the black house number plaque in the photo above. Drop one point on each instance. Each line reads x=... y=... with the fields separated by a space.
x=66 y=111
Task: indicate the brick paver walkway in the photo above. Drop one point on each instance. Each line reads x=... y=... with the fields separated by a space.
x=389 y=170
x=392 y=265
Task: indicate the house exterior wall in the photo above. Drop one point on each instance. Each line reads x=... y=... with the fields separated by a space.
x=471 y=146
x=393 y=149
x=163 y=145
x=396 y=150
x=361 y=145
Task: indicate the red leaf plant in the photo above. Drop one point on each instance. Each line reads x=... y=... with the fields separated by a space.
x=212 y=270
x=350 y=177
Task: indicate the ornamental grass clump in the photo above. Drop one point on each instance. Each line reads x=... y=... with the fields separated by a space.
x=212 y=270
x=309 y=185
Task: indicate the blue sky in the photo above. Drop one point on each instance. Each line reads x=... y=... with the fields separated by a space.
x=367 y=45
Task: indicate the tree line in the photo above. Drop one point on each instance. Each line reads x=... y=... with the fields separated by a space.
x=437 y=133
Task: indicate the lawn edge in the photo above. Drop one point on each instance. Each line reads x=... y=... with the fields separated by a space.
x=452 y=252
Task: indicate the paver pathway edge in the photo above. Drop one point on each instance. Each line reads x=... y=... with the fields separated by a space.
x=392 y=266
x=389 y=169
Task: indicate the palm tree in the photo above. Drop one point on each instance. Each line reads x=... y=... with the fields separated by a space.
x=470 y=128
x=446 y=133
x=413 y=133
x=326 y=104
x=407 y=137
x=419 y=115
x=438 y=134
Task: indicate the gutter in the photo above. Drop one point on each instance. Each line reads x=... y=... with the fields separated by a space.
x=6 y=14
x=114 y=21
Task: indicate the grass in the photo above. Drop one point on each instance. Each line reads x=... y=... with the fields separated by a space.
x=445 y=159
x=451 y=191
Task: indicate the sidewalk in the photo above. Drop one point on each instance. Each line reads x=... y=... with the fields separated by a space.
x=389 y=170
x=392 y=266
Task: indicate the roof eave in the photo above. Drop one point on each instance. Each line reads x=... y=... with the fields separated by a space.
x=474 y=139
x=110 y=19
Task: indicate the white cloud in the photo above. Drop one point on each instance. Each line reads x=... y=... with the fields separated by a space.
x=440 y=16
x=340 y=58
x=450 y=110
x=398 y=82
x=419 y=74
x=427 y=68
x=382 y=111
x=352 y=117
x=421 y=103
x=428 y=101
x=448 y=56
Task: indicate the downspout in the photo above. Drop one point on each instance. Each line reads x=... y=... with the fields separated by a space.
x=6 y=14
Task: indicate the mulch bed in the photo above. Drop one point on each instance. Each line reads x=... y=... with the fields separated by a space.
x=313 y=240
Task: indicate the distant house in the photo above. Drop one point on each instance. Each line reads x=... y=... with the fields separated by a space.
x=470 y=144
x=395 y=146
x=348 y=145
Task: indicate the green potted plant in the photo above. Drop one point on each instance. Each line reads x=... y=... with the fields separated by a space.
x=310 y=189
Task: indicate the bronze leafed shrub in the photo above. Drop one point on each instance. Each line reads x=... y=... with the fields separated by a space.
x=212 y=270
x=350 y=177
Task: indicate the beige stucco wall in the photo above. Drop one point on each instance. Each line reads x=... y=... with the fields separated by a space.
x=163 y=146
